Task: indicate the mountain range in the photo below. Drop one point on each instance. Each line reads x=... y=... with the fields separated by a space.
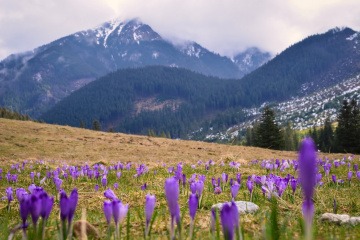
x=34 y=81
x=130 y=79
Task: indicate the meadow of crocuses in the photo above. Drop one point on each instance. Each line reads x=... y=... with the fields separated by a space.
x=124 y=200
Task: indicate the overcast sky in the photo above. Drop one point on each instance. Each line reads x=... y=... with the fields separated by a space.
x=222 y=26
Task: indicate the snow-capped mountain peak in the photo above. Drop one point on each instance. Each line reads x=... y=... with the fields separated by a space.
x=192 y=49
x=251 y=59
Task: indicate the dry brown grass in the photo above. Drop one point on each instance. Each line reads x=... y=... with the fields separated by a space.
x=21 y=140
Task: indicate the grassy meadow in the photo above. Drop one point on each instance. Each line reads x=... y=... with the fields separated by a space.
x=43 y=149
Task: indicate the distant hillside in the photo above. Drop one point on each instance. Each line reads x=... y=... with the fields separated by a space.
x=316 y=62
x=168 y=100
x=32 y=82
x=21 y=140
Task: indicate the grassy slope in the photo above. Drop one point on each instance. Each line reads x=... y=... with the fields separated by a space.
x=21 y=140
x=27 y=140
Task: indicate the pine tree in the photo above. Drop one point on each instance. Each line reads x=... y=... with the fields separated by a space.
x=326 y=138
x=290 y=138
x=82 y=124
x=268 y=134
x=249 y=137
x=347 y=132
x=96 y=125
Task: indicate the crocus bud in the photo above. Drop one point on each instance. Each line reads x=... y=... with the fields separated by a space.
x=150 y=202
x=234 y=189
x=9 y=194
x=308 y=170
x=172 y=197
x=250 y=185
x=229 y=216
x=24 y=208
x=119 y=211
x=108 y=211
x=293 y=184
x=46 y=205
x=73 y=200
x=104 y=181
x=64 y=205
x=35 y=208
x=199 y=187
x=193 y=204
x=110 y=194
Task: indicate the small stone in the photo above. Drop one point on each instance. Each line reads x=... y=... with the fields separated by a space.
x=354 y=220
x=335 y=218
x=243 y=206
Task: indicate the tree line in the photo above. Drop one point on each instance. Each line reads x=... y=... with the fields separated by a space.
x=9 y=114
x=345 y=138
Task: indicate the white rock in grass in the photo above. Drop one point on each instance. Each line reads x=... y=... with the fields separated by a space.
x=354 y=220
x=243 y=206
x=335 y=218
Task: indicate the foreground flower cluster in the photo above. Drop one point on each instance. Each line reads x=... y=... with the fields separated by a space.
x=172 y=205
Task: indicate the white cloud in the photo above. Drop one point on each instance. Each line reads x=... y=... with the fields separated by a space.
x=225 y=26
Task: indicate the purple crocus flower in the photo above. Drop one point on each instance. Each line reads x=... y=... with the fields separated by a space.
x=46 y=205
x=234 y=190
x=358 y=174
x=9 y=194
x=229 y=216
x=349 y=175
x=19 y=193
x=224 y=177
x=193 y=205
x=150 y=202
x=64 y=206
x=250 y=185
x=293 y=184
x=73 y=200
x=116 y=185
x=213 y=182
x=68 y=205
x=307 y=172
x=333 y=177
x=193 y=187
x=32 y=176
x=356 y=167
x=58 y=183
x=108 y=211
x=143 y=187
x=199 y=187
x=183 y=180
x=172 y=197
x=104 y=181
x=119 y=211
x=238 y=178
x=217 y=190
x=110 y=194
x=231 y=182
x=24 y=208
x=281 y=186
x=96 y=188
x=35 y=207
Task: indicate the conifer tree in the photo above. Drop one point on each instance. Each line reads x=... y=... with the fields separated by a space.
x=268 y=134
x=96 y=125
x=326 y=138
x=347 y=132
